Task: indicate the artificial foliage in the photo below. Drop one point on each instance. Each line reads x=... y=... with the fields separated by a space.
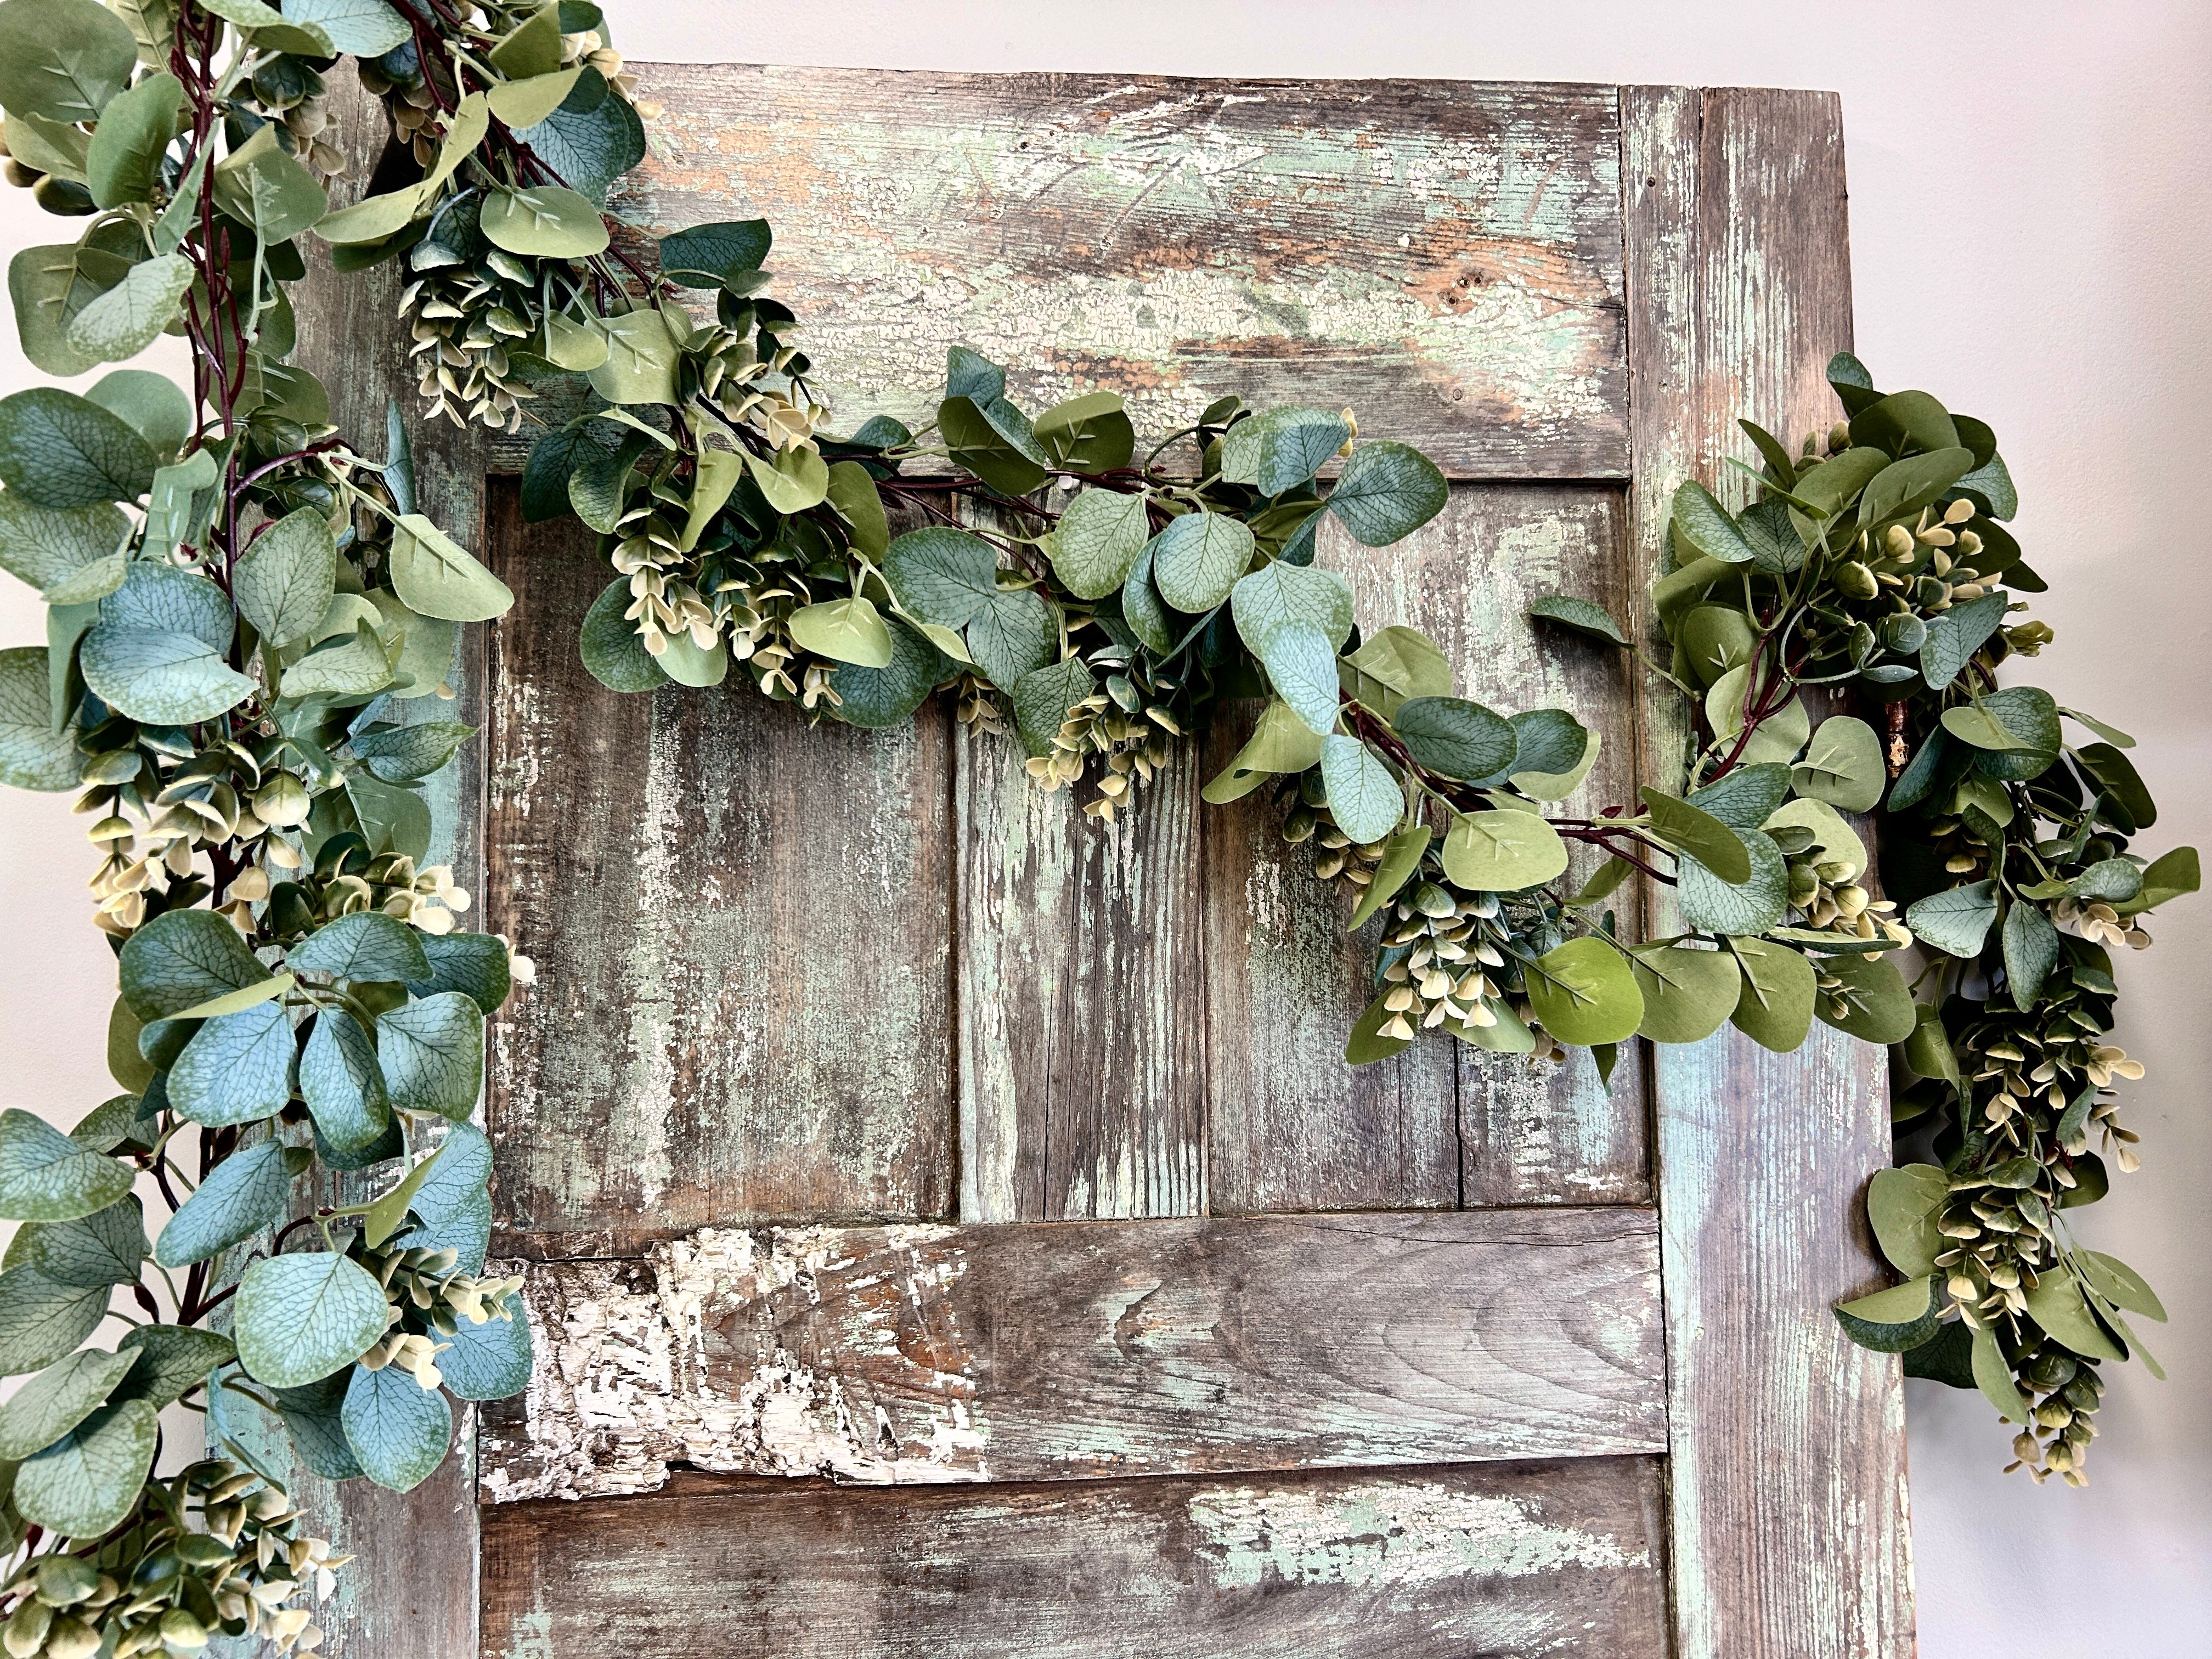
x=251 y=629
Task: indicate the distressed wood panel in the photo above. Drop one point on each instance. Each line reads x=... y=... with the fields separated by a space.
x=1293 y=1127
x=1452 y=249
x=1501 y=1560
x=743 y=924
x=1081 y=996
x=1787 y=1473
x=412 y=1590
x=919 y=1355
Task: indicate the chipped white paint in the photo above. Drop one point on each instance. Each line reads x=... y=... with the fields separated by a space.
x=1395 y=1533
x=622 y=1388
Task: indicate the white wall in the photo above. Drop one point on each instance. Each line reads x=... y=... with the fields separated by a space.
x=2030 y=189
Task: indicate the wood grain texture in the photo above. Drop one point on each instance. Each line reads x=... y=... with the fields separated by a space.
x=412 y=1590
x=1503 y=1561
x=1082 y=996
x=1787 y=1473
x=1072 y=1351
x=744 y=928
x=1296 y=1128
x=1454 y=249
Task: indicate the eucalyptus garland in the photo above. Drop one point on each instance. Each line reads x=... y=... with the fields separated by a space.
x=251 y=629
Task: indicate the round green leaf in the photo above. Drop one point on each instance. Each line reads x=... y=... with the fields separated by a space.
x=171 y=1358
x=1707 y=526
x=546 y=222
x=41 y=1321
x=87 y=1481
x=1456 y=737
x=796 y=480
x=247 y=1193
x=435 y=575
x=1386 y=491
x=284 y=582
x=1364 y=797
x=1893 y=1321
x=1584 y=992
x=1301 y=666
x=33 y=755
x=1280 y=743
x=1776 y=1007
x=1877 y=1007
x=301 y=1317
x=1835 y=840
x=1196 y=559
x=182 y=958
x=875 y=697
x=612 y=648
x=1580 y=615
x=1688 y=830
x=431 y=1050
x=398 y=1430
x=57 y=1399
x=1281 y=448
x=63 y=450
x=237 y=1068
x=46 y=1176
x=104 y=1247
x=127 y=319
x=942 y=575
x=640 y=367
x=1015 y=631
x=1688 y=995
x=1841 y=765
x=1367 y=1042
x=1504 y=851
x=63 y=59
x=1544 y=783
x=1716 y=638
x=1098 y=539
x=1713 y=906
x=1903 y=1206
x=1279 y=593
x=1957 y=919
x=843 y=630
x=490 y=1361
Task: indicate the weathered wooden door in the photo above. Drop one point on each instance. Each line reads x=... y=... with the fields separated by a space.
x=952 y=1228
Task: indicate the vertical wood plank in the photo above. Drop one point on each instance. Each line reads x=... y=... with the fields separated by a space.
x=1082 y=996
x=743 y=922
x=1787 y=1463
x=411 y=1592
x=1294 y=1127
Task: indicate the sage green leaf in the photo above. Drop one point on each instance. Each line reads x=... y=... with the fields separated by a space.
x=123 y=162
x=1458 y=738
x=490 y=1361
x=104 y=1247
x=1196 y=559
x=268 y=27
x=2110 y=734
x=41 y=1321
x=2114 y=773
x=1830 y=485
x=1745 y=798
x=1097 y=540
x=389 y=1213
x=1954 y=635
x=878 y=697
x=397 y=1429
x=431 y=1051
x=127 y=319
x=970 y=375
x=1994 y=1377
x=408 y=754
x=435 y=575
x=1927 y=1052
x=358 y=29
x=2169 y=875
x=394 y=818
x=2056 y=1303
x=1584 y=992
x=991 y=439
x=942 y=575
x=1502 y=852
x=300 y=1317
x=1714 y=906
x=1980 y=728
x=237 y=1068
x=48 y=286
x=1701 y=836
x=284 y=582
x=1043 y=698
x=182 y=958
x=2031 y=717
x=1836 y=842
x=2110 y=1278
x=1776 y=1008
x=1841 y=765
x=548 y=222
x=1779 y=736
x=852 y=491
x=63 y=59
x=2030 y=951
x=1387 y=491
x=156 y=597
x=1716 y=638
x=60 y=450
x=1368 y=1041
x=1893 y=1321
x=152 y=406
x=173 y=1360
x=1581 y=616
x=246 y=1193
x=1902 y=488
x=348 y=667
x=1148 y=617
x=1603 y=884
x=373 y=218
x=1363 y=796
x=48 y=146
x=1957 y=919
x=1279 y=593
x=475 y=963
x=1392 y=665
x=57 y=1399
x=364 y=945
x=453 y=1208
x=1903 y=1206
x=708 y=255
x=1281 y=449
x=261 y=185
x=1777 y=546
x=1877 y=1007
x=640 y=367
x=533 y=48
x=844 y=630
x=33 y=755
x=1540 y=735
x=797 y=479
x=1505 y=1035
x=1089 y=434
x=1707 y=526
x=1013 y=632
x=178 y=507
x=87 y=1481
x=1301 y=665
x=1280 y=743
x=1402 y=857
x=46 y=1176
x=1688 y=993
x=611 y=646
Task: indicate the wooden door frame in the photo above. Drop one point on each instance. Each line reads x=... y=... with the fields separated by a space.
x=1789 y=1529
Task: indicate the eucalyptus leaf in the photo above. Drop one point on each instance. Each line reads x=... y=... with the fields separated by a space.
x=237 y=1068
x=1584 y=992
x=1688 y=993
x=1363 y=798
x=87 y=1482
x=1043 y=698
x=397 y=1429
x=1387 y=491
x=129 y=317
x=844 y=630
x=57 y=1399
x=1875 y=1004
x=1689 y=830
x=60 y=450
x=942 y=575
x=1903 y=1206
x=300 y=1317
x=1957 y=919
x=876 y=697
x=173 y=1360
x=63 y=59
x=1841 y=765
x=436 y=576
x=1580 y=615
x=431 y=1051
x=492 y=1360
x=285 y=581
x=182 y=958
x=1301 y=665
x=33 y=755
x=1280 y=743
x=547 y=222
x=1197 y=560
x=1893 y=1321
x=611 y=646
x=1502 y=852
x=46 y=1176
x=1458 y=738
x=1281 y=449
x=1279 y=593
x=246 y=1193
x=1775 y=1009
x=41 y=1321
x=124 y=162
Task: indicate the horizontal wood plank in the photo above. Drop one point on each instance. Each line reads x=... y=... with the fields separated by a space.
x=1503 y=1561
x=1443 y=257
x=1059 y=1351
x=742 y=925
